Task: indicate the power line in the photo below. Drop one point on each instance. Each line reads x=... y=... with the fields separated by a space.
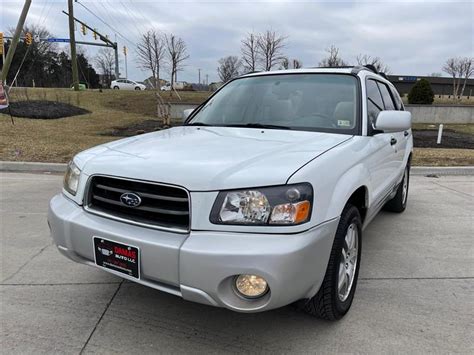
x=105 y=23
x=135 y=20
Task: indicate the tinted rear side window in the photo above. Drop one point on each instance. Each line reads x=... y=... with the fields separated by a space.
x=397 y=99
x=387 y=98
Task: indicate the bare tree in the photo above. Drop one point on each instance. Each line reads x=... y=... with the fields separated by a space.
x=297 y=64
x=291 y=64
x=105 y=61
x=459 y=68
x=467 y=69
x=151 y=54
x=364 y=59
x=250 y=52
x=177 y=54
x=333 y=59
x=229 y=68
x=271 y=45
x=38 y=32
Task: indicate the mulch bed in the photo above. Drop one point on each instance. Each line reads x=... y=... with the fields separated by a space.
x=136 y=128
x=43 y=109
x=421 y=138
x=426 y=138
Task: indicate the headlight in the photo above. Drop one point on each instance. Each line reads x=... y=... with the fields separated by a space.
x=280 y=205
x=71 y=178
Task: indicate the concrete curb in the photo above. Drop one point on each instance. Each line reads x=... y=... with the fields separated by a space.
x=442 y=170
x=34 y=167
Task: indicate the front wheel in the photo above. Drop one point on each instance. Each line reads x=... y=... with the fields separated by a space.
x=399 y=202
x=336 y=293
x=116 y=88
x=137 y=88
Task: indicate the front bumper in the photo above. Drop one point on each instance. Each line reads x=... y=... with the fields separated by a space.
x=201 y=265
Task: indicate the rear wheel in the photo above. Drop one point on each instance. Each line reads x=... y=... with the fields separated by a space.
x=399 y=202
x=335 y=296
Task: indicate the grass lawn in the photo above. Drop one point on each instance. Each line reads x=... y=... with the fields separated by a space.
x=443 y=157
x=58 y=140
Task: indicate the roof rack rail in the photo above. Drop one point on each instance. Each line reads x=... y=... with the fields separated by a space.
x=369 y=67
x=336 y=67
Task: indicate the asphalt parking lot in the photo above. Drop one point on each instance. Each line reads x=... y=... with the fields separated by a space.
x=415 y=291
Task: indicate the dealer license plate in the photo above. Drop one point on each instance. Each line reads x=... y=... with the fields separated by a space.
x=118 y=257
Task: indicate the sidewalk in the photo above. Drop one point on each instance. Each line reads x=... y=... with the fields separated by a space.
x=34 y=167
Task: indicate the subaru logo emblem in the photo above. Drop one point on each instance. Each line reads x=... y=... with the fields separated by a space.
x=130 y=199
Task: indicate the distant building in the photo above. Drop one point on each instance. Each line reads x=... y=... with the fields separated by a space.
x=441 y=85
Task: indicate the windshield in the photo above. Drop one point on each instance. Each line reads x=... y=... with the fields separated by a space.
x=315 y=102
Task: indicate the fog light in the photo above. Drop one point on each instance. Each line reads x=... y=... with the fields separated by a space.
x=251 y=286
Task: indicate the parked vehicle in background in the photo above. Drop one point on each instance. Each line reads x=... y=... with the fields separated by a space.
x=179 y=85
x=257 y=201
x=82 y=87
x=126 y=84
x=166 y=87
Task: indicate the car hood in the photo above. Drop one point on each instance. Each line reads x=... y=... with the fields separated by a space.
x=209 y=158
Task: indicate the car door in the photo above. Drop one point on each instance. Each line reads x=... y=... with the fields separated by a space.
x=130 y=85
x=121 y=84
x=400 y=145
x=382 y=161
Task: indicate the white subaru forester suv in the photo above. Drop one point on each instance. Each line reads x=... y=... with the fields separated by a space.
x=259 y=200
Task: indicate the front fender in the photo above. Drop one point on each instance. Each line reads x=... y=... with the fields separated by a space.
x=335 y=176
x=354 y=178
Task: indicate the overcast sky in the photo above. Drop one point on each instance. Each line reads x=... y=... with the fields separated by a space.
x=412 y=37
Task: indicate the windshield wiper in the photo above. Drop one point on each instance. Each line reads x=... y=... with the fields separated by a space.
x=258 y=125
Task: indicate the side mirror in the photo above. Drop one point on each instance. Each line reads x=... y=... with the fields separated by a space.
x=393 y=121
x=187 y=113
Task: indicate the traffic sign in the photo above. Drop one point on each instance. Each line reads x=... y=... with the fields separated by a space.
x=58 y=39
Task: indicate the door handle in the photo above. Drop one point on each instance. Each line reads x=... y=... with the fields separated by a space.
x=406 y=133
x=393 y=141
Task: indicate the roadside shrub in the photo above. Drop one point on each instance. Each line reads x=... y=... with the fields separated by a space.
x=421 y=93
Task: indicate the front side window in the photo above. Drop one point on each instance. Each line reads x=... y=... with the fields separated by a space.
x=313 y=102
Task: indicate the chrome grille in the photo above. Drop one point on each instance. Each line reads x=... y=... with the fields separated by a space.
x=161 y=205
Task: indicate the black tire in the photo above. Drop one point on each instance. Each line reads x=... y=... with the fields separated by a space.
x=137 y=88
x=399 y=202
x=327 y=303
x=116 y=88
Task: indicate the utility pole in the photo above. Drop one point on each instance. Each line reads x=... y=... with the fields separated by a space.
x=15 y=39
x=199 y=71
x=117 y=73
x=72 y=41
x=125 y=54
x=207 y=79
